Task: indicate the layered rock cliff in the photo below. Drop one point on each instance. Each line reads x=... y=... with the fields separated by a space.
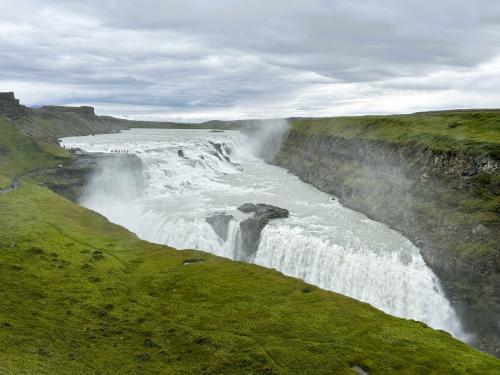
x=446 y=202
x=10 y=107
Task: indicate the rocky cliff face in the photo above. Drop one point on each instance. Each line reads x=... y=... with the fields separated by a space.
x=85 y=112
x=443 y=202
x=10 y=107
x=251 y=227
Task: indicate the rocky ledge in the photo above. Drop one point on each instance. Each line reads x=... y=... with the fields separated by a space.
x=85 y=112
x=10 y=107
x=252 y=227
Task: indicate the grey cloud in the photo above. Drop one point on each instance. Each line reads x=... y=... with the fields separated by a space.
x=196 y=58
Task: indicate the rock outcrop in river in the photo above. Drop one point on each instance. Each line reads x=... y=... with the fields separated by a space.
x=252 y=227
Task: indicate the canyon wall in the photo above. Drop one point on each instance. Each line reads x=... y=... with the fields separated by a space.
x=10 y=107
x=445 y=202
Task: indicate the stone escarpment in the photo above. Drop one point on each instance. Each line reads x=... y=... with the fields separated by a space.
x=443 y=201
x=85 y=112
x=49 y=123
x=10 y=107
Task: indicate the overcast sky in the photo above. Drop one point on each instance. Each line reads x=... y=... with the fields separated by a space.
x=195 y=60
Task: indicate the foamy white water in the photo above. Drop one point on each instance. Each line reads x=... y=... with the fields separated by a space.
x=192 y=174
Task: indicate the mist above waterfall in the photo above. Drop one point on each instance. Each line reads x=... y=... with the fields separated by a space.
x=265 y=136
x=116 y=178
x=321 y=241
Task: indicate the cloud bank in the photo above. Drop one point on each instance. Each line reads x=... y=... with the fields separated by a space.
x=194 y=60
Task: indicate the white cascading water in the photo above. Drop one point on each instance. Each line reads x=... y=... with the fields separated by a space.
x=188 y=177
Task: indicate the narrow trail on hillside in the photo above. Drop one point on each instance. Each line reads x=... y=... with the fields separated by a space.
x=16 y=181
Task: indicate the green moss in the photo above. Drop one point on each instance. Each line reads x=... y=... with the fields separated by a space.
x=82 y=295
x=473 y=249
x=468 y=205
x=486 y=218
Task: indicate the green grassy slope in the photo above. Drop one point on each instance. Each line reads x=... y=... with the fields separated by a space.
x=49 y=124
x=82 y=295
x=473 y=131
x=20 y=154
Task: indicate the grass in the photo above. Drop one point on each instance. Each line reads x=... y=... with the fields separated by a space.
x=475 y=131
x=82 y=295
x=20 y=154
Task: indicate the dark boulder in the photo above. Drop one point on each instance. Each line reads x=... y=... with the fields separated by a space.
x=180 y=153
x=248 y=207
x=221 y=151
x=264 y=210
x=251 y=228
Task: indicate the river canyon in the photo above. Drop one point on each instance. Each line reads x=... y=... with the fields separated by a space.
x=187 y=195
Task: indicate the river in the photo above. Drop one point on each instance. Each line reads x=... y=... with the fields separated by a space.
x=189 y=175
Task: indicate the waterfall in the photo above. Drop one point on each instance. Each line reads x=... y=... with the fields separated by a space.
x=397 y=282
x=191 y=175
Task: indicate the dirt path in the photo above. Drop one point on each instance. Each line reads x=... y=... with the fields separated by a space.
x=16 y=182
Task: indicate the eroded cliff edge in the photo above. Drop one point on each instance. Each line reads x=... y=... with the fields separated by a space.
x=440 y=193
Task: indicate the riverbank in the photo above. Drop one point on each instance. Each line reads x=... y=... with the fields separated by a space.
x=434 y=177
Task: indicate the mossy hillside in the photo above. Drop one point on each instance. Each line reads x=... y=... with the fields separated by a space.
x=82 y=295
x=48 y=124
x=471 y=131
x=20 y=154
